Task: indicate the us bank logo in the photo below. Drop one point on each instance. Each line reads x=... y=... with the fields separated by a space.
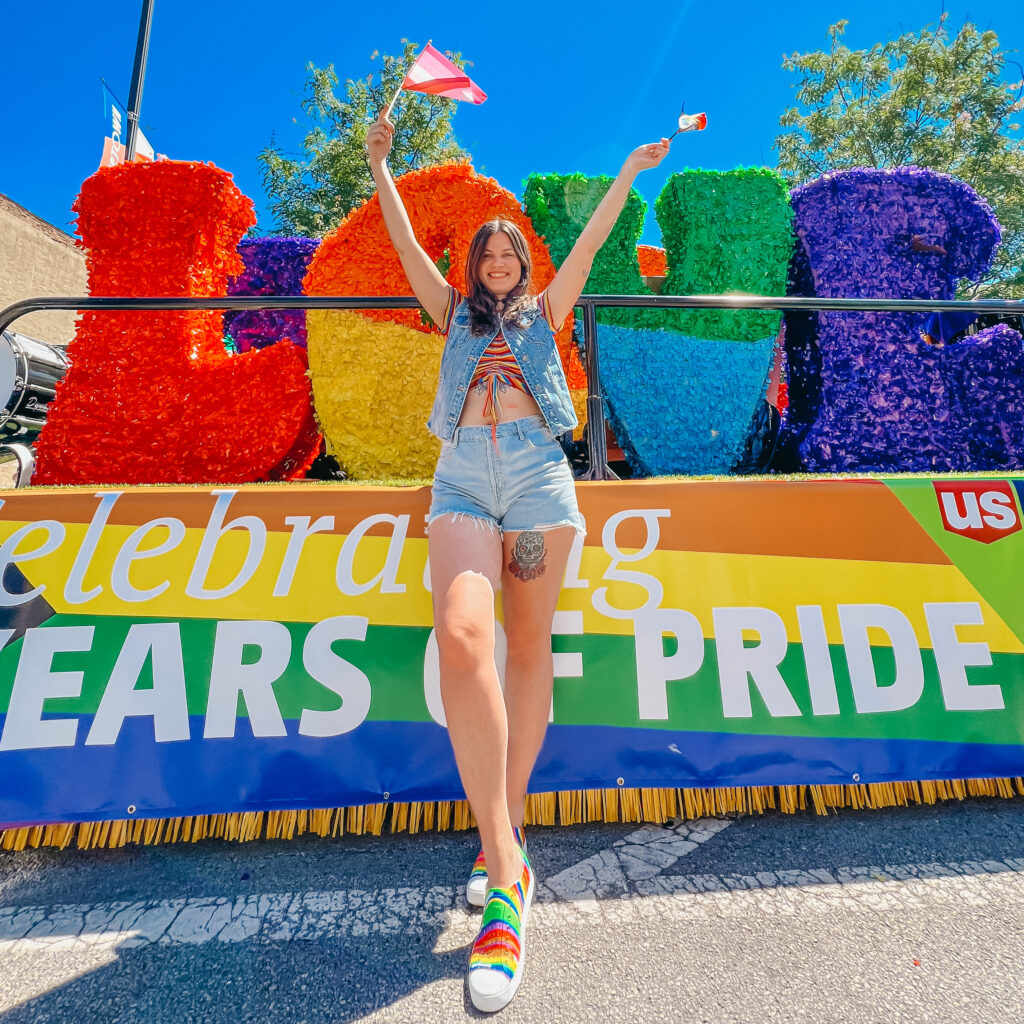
x=983 y=510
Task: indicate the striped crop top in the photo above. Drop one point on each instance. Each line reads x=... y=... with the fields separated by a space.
x=497 y=370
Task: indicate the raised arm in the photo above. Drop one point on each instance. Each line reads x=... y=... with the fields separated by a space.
x=425 y=279
x=572 y=275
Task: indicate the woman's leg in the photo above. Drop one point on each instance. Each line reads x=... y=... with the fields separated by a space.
x=465 y=567
x=533 y=566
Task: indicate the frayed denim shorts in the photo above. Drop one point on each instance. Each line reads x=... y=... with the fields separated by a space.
x=519 y=481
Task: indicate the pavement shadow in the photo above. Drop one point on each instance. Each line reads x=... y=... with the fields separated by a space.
x=312 y=982
x=344 y=975
x=339 y=976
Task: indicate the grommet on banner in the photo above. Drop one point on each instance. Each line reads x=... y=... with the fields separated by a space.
x=620 y=781
x=131 y=808
x=387 y=796
x=856 y=777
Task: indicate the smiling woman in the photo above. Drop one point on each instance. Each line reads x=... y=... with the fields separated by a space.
x=503 y=515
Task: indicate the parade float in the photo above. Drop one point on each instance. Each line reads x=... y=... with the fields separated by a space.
x=198 y=641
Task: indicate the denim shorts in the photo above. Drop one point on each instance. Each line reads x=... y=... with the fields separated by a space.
x=521 y=483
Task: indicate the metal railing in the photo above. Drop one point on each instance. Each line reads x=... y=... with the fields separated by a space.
x=596 y=441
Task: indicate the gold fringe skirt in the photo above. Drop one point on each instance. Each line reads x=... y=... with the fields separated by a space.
x=567 y=808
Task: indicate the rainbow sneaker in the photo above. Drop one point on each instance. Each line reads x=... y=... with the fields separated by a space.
x=499 y=953
x=476 y=886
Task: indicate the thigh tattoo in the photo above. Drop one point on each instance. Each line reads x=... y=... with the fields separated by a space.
x=527 y=561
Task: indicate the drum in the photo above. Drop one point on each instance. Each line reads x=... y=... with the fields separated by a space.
x=29 y=371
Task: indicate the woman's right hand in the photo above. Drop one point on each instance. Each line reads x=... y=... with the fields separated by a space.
x=647 y=156
x=378 y=138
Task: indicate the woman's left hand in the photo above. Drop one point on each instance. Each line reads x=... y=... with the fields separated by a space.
x=649 y=155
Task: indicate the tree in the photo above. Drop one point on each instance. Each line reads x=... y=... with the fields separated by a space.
x=924 y=99
x=312 y=192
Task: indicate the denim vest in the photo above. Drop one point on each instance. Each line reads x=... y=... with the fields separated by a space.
x=531 y=341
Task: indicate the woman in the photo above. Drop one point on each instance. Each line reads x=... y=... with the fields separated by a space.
x=503 y=514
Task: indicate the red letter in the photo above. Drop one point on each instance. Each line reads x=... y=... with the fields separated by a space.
x=152 y=397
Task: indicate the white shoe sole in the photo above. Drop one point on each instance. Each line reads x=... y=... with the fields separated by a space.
x=490 y=1002
x=476 y=892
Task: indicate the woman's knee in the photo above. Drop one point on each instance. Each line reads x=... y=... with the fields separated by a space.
x=528 y=645
x=465 y=623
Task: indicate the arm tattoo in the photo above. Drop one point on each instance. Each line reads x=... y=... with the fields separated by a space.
x=527 y=561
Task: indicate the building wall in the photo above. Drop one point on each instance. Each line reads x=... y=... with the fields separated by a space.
x=38 y=259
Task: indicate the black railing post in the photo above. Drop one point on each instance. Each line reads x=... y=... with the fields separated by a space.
x=597 y=440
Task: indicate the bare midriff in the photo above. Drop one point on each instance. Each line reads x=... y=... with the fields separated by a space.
x=514 y=405
x=497 y=392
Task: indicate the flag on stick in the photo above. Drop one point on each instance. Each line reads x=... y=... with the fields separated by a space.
x=690 y=123
x=432 y=72
x=114 y=143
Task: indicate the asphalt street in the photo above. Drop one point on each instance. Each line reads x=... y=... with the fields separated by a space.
x=906 y=915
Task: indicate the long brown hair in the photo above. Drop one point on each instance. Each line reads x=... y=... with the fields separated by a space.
x=483 y=310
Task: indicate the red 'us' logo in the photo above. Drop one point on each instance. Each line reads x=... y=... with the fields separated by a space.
x=983 y=510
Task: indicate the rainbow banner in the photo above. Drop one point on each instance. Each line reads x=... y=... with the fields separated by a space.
x=170 y=651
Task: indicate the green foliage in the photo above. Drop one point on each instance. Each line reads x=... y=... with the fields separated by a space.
x=559 y=205
x=311 y=192
x=725 y=231
x=923 y=98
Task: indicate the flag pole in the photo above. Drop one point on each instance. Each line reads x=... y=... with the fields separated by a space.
x=387 y=109
x=138 y=77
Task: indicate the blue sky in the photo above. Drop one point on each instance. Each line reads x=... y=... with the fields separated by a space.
x=573 y=86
